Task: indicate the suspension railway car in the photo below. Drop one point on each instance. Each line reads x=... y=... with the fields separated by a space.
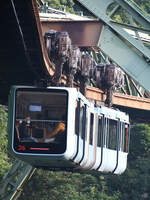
x=59 y=128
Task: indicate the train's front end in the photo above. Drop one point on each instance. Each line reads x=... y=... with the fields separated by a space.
x=38 y=125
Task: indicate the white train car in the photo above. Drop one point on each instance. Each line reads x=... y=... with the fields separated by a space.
x=58 y=128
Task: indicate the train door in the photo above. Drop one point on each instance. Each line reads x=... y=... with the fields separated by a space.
x=87 y=139
x=123 y=148
x=81 y=131
x=110 y=141
x=103 y=151
x=100 y=143
x=92 y=140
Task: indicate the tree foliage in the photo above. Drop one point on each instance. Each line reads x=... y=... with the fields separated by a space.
x=143 y=4
x=66 y=5
x=69 y=6
x=4 y=160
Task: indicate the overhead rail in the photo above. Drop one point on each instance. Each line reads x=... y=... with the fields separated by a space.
x=22 y=56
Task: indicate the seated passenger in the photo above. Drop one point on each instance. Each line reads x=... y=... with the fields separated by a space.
x=54 y=135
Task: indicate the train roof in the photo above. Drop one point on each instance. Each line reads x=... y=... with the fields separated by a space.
x=113 y=113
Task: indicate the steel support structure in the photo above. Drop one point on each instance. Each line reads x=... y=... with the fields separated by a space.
x=132 y=55
x=10 y=186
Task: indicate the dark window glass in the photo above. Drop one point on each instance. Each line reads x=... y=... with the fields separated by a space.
x=105 y=132
x=100 y=131
x=112 y=134
x=77 y=117
x=122 y=136
x=84 y=120
x=91 y=128
x=40 y=121
x=81 y=121
x=126 y=138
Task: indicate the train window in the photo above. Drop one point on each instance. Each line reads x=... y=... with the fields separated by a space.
x=121 y=136
x=83 y=117
x=112 y=134
x=81 y=121
x=77 y=117
x=40 y=121
x=84 y=124
x=91 y=128
x=126 y=138
x=100 y=131
x=105 y=132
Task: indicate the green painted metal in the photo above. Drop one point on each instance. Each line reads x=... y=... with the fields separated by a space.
x=10 y=186
x=115 y=9
x=99 y=9
x=128 y=52
x=127 y=85
x=136 y=12
x=131 y=62
x=40 y=2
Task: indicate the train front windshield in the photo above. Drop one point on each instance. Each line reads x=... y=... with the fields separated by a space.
x=40 y=121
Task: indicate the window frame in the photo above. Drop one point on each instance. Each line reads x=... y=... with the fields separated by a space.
x=32 y=147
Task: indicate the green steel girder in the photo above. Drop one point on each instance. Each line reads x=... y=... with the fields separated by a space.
x=114 y=10
x=136 y=12
x=131 y=27
x=10 y=186
x=128 y=52
x=99 y=8
x=125 y=57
